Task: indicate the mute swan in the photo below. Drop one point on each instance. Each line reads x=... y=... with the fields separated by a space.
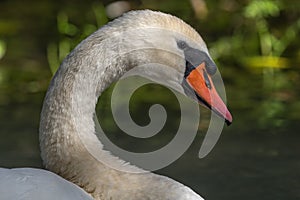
x=67 y=125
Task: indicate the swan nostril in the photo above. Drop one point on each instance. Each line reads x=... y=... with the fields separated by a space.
x=207 y=81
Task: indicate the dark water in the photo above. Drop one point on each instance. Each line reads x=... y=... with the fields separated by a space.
x=257 y=157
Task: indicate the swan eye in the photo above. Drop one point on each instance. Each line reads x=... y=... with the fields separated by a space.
x=182 y=44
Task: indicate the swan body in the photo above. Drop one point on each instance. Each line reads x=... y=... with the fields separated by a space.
x=33 y=184
x=67 y=129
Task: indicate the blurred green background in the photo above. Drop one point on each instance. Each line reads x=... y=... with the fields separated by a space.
x=256 y=46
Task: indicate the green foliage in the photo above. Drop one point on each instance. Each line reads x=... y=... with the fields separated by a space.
x=71 y=35
x=272 y=48
x=258 y=43
x=260 y=9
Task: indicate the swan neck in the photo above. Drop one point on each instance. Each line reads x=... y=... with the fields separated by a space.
x=67 y=126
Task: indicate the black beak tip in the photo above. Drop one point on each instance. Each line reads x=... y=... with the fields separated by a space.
x=228 y=123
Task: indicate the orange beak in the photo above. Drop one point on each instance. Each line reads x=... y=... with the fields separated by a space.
x=201 y=83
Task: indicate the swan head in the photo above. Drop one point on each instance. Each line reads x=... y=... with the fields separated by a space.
x=175 y=52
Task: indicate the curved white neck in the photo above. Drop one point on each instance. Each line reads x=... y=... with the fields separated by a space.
x=67 y=126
